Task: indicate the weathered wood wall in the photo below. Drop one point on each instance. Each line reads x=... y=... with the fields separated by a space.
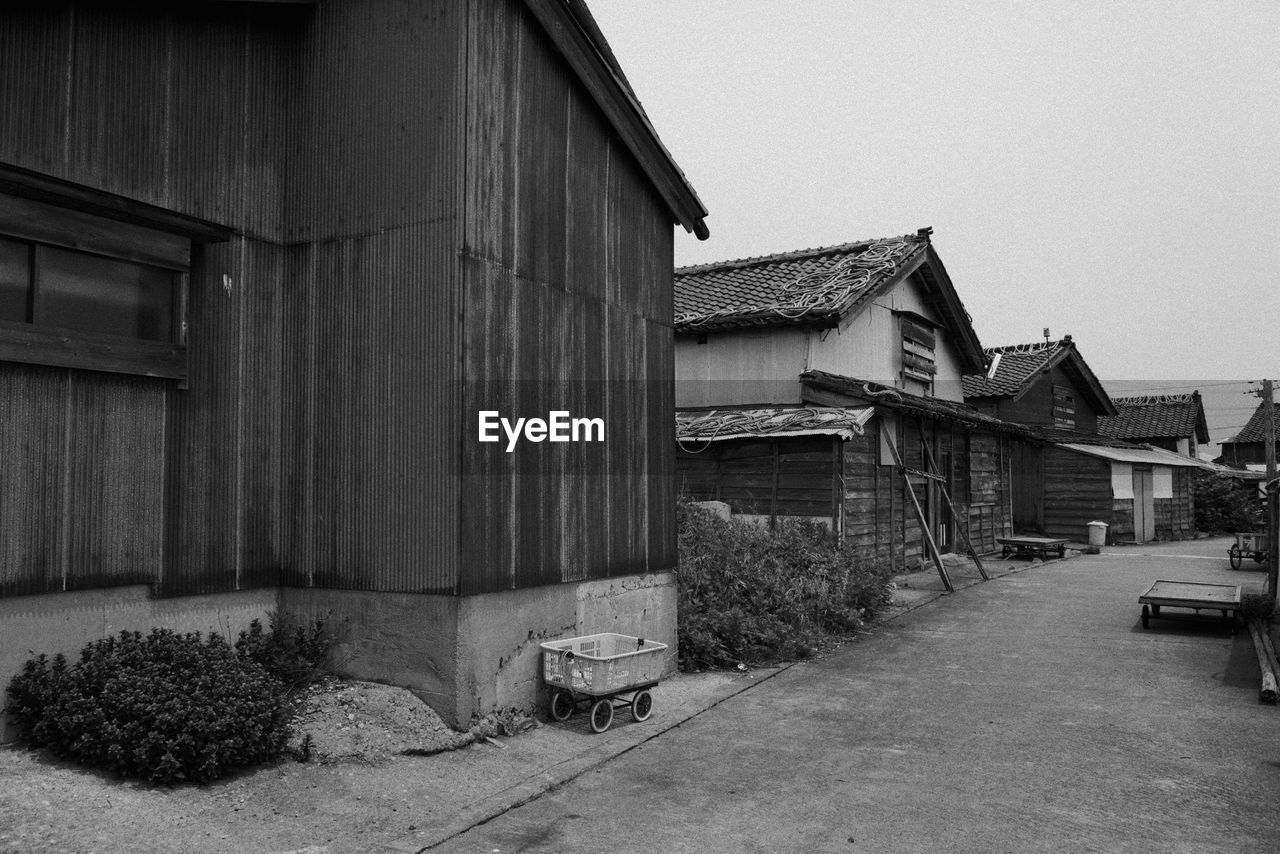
x=790 y=476
x=1077 y=491
x=418 y=192
x=1036 y=405
x=567 y=305
x=139 y=480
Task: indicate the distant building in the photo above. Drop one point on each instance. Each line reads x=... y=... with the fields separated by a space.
x=1173 y=422
x=825 y=383
x=1249 y=445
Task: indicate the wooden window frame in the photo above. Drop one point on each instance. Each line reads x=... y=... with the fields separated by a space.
x=919 y=350
x=43 y=211
x=1063 y=417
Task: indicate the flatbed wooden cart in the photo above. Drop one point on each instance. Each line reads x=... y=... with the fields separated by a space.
x=1252 y=545
x=1033 y=546
x=1194 y=595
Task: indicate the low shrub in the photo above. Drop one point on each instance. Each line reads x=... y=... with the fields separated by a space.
x=294 y=653
x=1223 y=505
x=753 y=595
x=165 y=707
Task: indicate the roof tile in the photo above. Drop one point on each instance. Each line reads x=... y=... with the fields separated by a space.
x=1165 y=416
x=792 y=287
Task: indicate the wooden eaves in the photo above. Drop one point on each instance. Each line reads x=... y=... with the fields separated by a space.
x=575 y=34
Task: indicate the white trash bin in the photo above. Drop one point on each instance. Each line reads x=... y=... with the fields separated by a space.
x=1098 y=533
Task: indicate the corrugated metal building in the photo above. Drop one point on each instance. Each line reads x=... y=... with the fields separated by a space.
x=262 y=264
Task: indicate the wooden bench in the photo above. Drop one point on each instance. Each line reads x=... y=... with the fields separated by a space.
x=1032 y=546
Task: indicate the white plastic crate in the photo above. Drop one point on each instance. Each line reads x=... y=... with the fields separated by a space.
x=601 y=664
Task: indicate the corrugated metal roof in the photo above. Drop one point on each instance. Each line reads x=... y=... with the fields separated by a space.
x=724 y=424
x=1149 y=456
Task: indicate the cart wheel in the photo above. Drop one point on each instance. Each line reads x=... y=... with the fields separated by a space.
x=1146 y=617
x=642 y=705
x=601 y=715
x=562 y=705
x=1234 y=554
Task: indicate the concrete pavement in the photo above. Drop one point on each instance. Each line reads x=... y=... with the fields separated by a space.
x=1029 y=713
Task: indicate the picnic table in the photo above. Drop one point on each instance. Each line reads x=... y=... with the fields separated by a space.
x=1032 y=546
x=1194 y=595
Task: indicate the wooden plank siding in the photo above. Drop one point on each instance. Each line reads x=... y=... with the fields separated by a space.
x=418 y=193
x=807 y=476
x=1077 y=491
x=569 y=296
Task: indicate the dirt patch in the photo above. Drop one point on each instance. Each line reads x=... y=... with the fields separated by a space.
x=348 y=720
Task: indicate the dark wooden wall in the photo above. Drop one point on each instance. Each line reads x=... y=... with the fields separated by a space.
x=567 y=283
x=139 y=480
x=419 y=192
x=1036 y=405
x=789 y=476
x=1077 y=491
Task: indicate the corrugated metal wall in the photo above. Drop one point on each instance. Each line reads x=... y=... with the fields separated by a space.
x=321 y=439
x=567 y=283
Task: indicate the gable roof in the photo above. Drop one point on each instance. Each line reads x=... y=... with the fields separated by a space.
x=576 y=35
x=1014 y=370
x=818 y=288
x=1255 y=430
x=1166 y=416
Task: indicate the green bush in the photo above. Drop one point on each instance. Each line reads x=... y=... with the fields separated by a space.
x=165 y=707
x=1224 y=505
x=297 y=655
x=748 y=594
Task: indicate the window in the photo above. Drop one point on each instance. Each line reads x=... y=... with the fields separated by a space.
x=92 y=280
x=47 y=286
x=918 y=343
x=1064 y=407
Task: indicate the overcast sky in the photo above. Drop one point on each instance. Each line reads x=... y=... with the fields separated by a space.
x=1108 y=170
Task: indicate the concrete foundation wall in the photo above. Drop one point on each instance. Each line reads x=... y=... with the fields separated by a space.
x=403 y=639
x=464 y=656
x=65 y=622
x=499 y=633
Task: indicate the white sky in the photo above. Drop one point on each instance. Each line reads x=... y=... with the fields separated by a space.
x=1106 y=169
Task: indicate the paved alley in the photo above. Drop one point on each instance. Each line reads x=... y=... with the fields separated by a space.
x=1029 y=713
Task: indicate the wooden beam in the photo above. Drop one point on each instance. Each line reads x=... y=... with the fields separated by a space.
x=961 y=530
x=924 y=523
x=34 y=345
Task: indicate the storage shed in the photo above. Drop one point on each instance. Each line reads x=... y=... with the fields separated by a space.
x=1142 y=493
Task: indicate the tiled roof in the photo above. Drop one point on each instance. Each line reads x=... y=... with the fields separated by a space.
x=1161 y=417
x=809 y=286
x=1015 y=366
x=1254 y=431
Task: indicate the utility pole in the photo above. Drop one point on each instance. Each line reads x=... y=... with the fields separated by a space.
x=1273 y=522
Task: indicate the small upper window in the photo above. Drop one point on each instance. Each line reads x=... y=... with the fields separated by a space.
x=93 y=280
x=1064 y=407
x=919 y=362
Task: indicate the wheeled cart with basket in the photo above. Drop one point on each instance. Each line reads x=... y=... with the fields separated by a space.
x=1251 y=545
x=598 y=671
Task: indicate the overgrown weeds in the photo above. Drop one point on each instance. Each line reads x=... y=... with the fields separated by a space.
x=753 y=595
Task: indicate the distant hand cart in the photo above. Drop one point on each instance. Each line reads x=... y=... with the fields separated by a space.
x=1252 y=545
x=1194 y=595
x=597 y=670
x=1032 y=546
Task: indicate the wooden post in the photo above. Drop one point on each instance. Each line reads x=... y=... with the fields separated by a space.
x=1273 y=524
x=961 y=530
x=924 y=523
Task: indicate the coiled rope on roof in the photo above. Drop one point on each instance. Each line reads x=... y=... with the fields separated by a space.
x=707 y=428
x=815 y=291
x=1150 y=399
